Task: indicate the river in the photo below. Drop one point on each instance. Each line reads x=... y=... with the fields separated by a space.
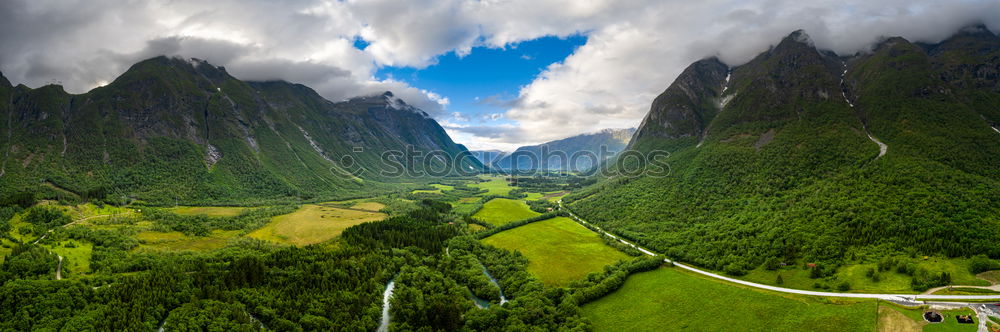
x=386 y=296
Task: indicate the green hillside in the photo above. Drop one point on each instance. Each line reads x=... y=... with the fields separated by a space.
x=173 y=130
x=776 y=161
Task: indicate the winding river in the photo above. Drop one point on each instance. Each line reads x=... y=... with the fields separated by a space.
x=483 y=303
x=493 y=280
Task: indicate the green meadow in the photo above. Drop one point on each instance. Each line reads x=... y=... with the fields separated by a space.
x=76 y=255
x=499 y=211
x=559 y=250
x=668 y=299
x=494 y=184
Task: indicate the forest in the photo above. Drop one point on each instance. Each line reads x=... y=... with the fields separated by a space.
x=439 y=268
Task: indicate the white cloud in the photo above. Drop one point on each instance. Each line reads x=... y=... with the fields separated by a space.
x=443 y=101
x=611 y=80
x=634 y=48
x=459 y=117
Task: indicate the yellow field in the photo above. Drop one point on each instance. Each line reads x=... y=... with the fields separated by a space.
x=177 y=241
x=312 y=224
x=211 y=211
x=369 y=206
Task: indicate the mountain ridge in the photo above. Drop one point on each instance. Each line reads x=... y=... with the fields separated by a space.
x=172 y=129
x=608 y=141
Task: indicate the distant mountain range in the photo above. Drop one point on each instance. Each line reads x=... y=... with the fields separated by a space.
x=580 y=152
x=173 y=129
x=802 y=154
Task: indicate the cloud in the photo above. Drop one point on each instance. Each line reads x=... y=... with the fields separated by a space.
x=459 y=117
x=498 y=101
x=611 y=80
x=634 y=49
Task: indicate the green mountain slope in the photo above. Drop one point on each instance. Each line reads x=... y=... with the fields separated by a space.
x=183 y=130
x=782 y=159
x=573 y=153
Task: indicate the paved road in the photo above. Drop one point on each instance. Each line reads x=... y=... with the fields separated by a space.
x=898 y=298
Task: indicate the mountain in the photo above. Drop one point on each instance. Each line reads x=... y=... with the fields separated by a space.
x=803 y=155
x=170 y=129
x=487 y=157
x=581 y=152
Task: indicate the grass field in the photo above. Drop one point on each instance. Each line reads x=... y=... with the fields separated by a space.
x=533 y=196
x=76 y=255
x=895 y=318
x=966 y=291
x=494 y=184
x=442 y=187
x=439 y=189
x=795 y=276
x=90 y=210
x=427 y=191
x=312 y=224
x=177 y=241
x=559 y=250
x=670 y=300
x=469 y=199
x=211 y=211
x=500 y=211
x=369 y=206
x=892 y=319
x=466 y=205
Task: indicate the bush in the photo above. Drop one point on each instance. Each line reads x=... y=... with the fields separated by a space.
x=981 y=263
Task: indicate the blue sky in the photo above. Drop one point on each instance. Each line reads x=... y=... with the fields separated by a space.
x=479 y=83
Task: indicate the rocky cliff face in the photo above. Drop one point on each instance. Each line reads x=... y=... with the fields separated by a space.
x=175 y=129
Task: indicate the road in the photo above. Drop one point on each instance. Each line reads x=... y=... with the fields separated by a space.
x=899 y=298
